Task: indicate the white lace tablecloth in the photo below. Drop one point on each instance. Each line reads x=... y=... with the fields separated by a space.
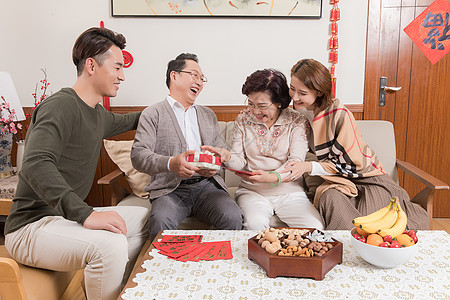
x=425 y=276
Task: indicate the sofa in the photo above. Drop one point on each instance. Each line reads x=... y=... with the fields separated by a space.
x=18 y=281
x=378 y=134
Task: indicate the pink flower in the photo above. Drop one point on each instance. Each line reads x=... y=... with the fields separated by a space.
x=7 y=120
x=42 y=95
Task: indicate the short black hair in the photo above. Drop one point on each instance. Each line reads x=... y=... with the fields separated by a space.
x=94 y=42
x=270 y=81
x=178 y=64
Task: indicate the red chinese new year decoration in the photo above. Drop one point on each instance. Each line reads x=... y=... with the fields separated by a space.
x=127 y=59
x=335 y=16
x=127 y=62
x=430 y=31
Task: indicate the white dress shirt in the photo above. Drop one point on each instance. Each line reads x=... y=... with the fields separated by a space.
x=187 y=120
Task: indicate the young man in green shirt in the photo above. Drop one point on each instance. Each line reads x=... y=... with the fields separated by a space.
x=50 y=226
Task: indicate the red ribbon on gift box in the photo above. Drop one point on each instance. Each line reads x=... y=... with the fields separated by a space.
x=206 y=158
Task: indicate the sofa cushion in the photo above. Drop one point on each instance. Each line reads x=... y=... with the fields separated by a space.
x=380 y=137
x=119 y=152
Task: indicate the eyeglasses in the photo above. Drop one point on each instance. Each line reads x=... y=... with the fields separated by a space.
x=261 y=108
x=195 y=76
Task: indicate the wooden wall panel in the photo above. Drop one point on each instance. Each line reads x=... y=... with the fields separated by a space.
x=418 y=109
x=429 y=124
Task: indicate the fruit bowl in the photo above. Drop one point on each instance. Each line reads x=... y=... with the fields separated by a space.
x=383 y=257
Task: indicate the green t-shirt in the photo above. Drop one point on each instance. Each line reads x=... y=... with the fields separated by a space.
x=61 y=153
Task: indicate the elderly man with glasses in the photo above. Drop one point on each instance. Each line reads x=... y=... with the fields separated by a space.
x=167 y=133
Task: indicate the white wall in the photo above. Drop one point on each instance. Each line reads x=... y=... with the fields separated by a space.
x=40 y=34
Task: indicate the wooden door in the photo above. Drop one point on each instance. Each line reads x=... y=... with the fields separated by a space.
x=419 y=110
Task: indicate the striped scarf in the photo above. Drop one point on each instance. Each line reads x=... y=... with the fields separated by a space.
x=341 y=150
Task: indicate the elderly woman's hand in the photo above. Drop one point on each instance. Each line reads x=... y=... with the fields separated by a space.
x=297 y=168
x=224 y=154
x=260 y=176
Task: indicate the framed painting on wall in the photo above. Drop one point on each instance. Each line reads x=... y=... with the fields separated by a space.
x=217 y=8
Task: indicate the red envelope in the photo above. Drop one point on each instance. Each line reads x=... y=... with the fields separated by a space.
x=205 y=248
x=213 y=251
x=190 y=256
x=178 y=250
x=161 y=246
x=225 y=251
x=181 y=238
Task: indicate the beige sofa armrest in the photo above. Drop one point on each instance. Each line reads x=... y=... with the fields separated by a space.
x=5 y=206
x=11 y=280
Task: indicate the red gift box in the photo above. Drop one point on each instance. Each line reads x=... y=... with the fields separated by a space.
x=205 y=160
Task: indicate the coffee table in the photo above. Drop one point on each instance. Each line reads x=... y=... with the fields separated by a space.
x=425 y=276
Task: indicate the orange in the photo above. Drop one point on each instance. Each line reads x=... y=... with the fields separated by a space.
x=374 y=239
x=362 y=232
x=405 y=240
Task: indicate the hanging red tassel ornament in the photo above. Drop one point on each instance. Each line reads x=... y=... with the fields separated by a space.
x=335 y=42
x=106 y=103
x=337 y=14
x=334 y=28
x=332 y=70
x=333 y=86
x=128 y=60
x=331 y=58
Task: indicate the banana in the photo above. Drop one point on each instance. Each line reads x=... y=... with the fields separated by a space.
x=373 y=216
x=387 y=221
x=398 y=227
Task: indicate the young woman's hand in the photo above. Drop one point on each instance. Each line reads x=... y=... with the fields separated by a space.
x=297 y=168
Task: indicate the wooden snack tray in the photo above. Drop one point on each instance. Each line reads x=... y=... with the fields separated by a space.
x=295 y=266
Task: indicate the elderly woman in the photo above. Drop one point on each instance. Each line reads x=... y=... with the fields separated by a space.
x=267 y=136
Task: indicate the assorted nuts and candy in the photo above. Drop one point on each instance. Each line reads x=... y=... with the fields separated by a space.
x=294 y=242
